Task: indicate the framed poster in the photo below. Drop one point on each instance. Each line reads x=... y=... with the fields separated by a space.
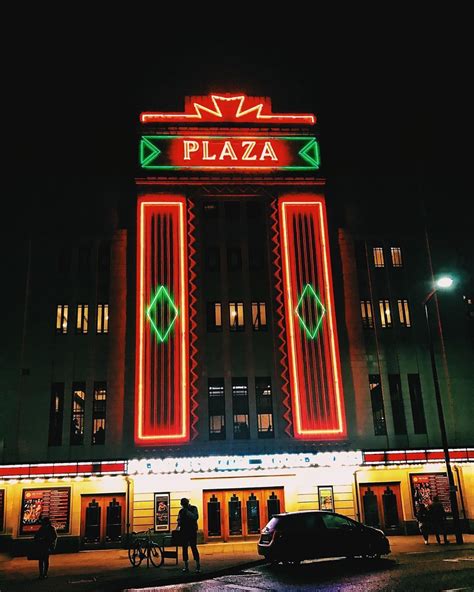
x=39 y=503
x=425 y=486
x=162 y=512
x=2 y=508
x=326 y=497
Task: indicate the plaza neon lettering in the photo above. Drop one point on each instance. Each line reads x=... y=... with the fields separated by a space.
x=227 y=151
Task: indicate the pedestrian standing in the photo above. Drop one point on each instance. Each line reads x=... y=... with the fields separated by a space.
x=437 y=517
x=422 y=516
x=187 y=524
x=45 y=539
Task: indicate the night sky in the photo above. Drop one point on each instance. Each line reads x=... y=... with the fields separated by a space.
x=392 y=106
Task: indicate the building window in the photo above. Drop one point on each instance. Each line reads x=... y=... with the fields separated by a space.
x=385 y=314
x=234 y=259
x=378 y=411
x=398 y=408
x=379 y=260
x=264 y=403
x=213 y=260
x=417 y=407
x=259 y=316
x=214 y=316
x=404 y=313
x=78 y=412
x=62 y=311
x=240 y=406
x=98 y=413
x=84 y=259
x=64 y=260
x=216 y=403
x=396 y=253
x=366 y=313
x=102 y=318
x=56 y=412
x=236 y=316
x=103 y=259
x=82 y=318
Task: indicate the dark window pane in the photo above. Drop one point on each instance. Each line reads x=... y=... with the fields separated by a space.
x=417 y=407
x=56 y=414
x=378 y=412
x=398 y=409
x=234 y=259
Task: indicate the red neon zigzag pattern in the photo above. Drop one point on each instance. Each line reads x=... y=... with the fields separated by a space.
x=281 y=321
x=192 y=322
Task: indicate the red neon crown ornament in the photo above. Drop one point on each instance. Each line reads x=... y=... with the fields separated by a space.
x=227 y=108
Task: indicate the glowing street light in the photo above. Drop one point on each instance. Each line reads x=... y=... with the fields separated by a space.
x=443 y=283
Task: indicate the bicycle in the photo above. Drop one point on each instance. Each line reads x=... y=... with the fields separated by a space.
x=144 y=547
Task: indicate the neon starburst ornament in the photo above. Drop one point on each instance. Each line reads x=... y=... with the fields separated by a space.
x=310 y=311
x=162 y=313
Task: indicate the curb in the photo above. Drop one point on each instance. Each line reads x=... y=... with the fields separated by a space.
x=192 y=577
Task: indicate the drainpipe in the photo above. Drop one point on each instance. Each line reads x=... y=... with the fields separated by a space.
x=456 y=468
x=356 y=483
x=127 y=517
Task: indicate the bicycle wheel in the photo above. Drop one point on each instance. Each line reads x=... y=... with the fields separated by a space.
x=136 y=553
x=156 y=554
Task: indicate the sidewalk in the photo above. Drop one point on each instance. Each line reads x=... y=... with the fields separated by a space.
x=110 y=570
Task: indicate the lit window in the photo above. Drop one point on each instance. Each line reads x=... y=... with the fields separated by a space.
x=396 y=256
x=98 y=413
x=214 y=316
x=366 y=313
x=82 y=318
x=385 y=313
x=265 y=422
x=378 y=257
x=236 y=316
x=404 y=313
x=259 y=316
x=61 y=318
x=216 y=427
x=78 y=412
x=102 y=318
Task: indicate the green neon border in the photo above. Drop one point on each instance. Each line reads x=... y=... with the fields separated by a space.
x=312 y=141
x=162 y=338
x=311 y=335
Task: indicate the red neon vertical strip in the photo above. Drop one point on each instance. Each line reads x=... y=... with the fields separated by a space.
x=162 y=383
x=318 y=410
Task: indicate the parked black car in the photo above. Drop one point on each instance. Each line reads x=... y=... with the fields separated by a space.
x=294 y=536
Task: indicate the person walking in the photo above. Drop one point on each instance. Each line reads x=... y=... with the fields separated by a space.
x=45 y=539
x=422 y=516
x=437 y=517
x=187 y=524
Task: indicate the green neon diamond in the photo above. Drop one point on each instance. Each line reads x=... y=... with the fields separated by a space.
x=310 y=311
x=162 y=313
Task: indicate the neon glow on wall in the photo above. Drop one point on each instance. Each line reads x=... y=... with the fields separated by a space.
x=162 y=348
x=313 y=354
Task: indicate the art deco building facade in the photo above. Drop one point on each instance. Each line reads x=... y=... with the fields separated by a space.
x=236 y=338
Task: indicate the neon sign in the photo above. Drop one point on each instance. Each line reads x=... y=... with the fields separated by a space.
x=162 y=341
x=228 y=108
x=314 y=366
x=229 y=152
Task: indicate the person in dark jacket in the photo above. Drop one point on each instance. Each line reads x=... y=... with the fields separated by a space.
x=45 y=540
x=187 y=524
x=437 y=516
x=422 y=516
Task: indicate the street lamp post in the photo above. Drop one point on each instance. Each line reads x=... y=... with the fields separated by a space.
x=443 y=283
